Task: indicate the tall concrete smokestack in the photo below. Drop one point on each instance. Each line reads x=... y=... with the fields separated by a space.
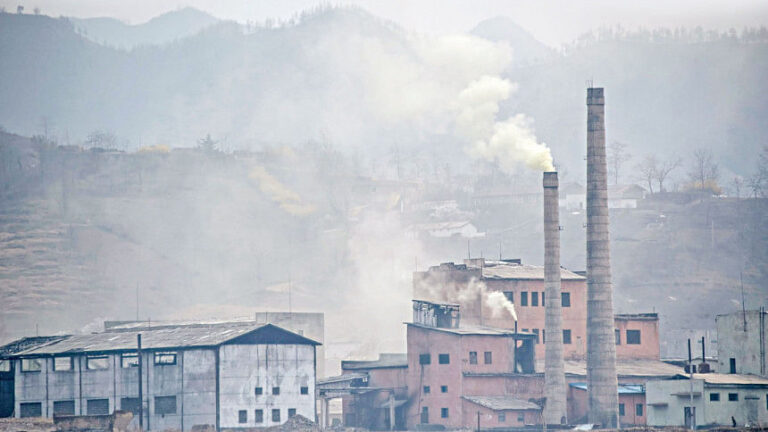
x=601 y=343
x=555 y=410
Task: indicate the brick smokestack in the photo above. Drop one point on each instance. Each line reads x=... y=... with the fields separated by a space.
x=601 y=344
x=555 y=410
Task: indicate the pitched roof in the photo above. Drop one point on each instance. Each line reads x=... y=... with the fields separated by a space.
x=505 y=270
x=167 y=337
x=624 y=368
x=477 y=331
x=502 y=403
x=27 y=343
x=623 y=388
x=728 y=379
x=385 y=360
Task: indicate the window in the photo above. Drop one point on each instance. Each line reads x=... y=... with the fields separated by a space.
x=543 y=336
x=523 y=298
x=633 y=337
x=62 y=364
x=165 y=405
x=30 y=409
x=617 y=333
x=275 y=391
x=242 y=416
x=536 y=332
x=542 y=298
x=97 y=362
x=5 y=365
x=258 y=416
x=621 y=409
x=444 y=412
x=304 y=390
x=639 y=410
x=488 y=357
x=129 y=360
x=534 y=298
x=444 y=359
x=567 y=336
x=732 y=364
x=130 y=404
x=291 y=412
x=276 y=415
x=510 y=295
x=97 y=406
x=425 y=359
x=502 y=417
x=31 y=365
x=443 y=389
x=66 y=407
x=714 y=397
x=733 y=397
x=259 y=391
x=565 y=299
x=424 y=415
x=427 y=389
x=520 y=417
x=473 y=357
x=165 y=358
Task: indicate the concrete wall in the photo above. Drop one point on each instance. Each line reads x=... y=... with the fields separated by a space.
x=578 y=405
x=750 y=407
x=490 y=419
x=245 y=367
x=649 y=339
x=308 y=324
x=743 y=346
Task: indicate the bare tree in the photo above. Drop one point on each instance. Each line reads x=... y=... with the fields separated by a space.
x=617 y=156
x=663 y=169
x=758 y=182
x=101 y=140
x=704 y=172
x=647 y=169
x=207 y=144
x=36 y=10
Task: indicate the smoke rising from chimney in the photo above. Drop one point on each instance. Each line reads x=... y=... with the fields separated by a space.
x=498 y=303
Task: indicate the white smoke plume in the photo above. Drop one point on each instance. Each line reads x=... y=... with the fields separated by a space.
x=499 y=303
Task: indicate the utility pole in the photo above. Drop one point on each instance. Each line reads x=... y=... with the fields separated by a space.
x=141 y=389
x=478 y=421
x=692 y=410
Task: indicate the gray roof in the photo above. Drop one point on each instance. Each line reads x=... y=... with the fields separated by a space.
x=502 y=270
x=624 y=368
x=27 y=343
x=477 y=331
x=729 y=379
x=623 y=388
x=502 y=403
x=385 y=360
x=154 y=339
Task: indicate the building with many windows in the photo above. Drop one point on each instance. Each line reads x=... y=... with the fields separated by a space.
x=227 y=375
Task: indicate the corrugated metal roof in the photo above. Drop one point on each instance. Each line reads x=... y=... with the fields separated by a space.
x=502 y=403
x=500 y=270
x=730 y=379
x=476 y=330
x=384 y=361
x=623 y=388
x=151 y=339
x=27 y=343
x=625 y=368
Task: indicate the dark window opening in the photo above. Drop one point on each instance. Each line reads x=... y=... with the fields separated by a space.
x=444 y=389
x=733 y=397
x=488 y=357
x=473 y=357
x=242 y=416
x=291 y=412
x=259 y=391
x=534 y=298
x=275 y=415
x=621 y=409
x=305 y=390
x=165 y=405
x=444 y=359
x=97 y=362
x=524 y=298
x=258 y=416
x=31 y=409
x=62 y=363
x=425 y=359
x=543 y=336
x=638 y=409
x=97 y=406
x=510 y=295
x=130 y=404
x=536 y=332
x=276 y=391
x=129 y=360
x=427 y=389
x=66 y=407
x=424 y=415
x=732 y=365
x=633 y=337
x=542 y=298
x=444 y=412
x=520 y=417
x=565 y=299
x=714 y=397
x=502 y=417
x=566 y=337
x=617 y=333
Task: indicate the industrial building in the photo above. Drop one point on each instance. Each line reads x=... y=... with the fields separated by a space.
x=227 y=375
x=742 y=342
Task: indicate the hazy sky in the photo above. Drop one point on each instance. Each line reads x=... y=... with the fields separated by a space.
x=552 y=21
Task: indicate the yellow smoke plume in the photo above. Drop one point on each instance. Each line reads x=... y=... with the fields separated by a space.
x=288 y=200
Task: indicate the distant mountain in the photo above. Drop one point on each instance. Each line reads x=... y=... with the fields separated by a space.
x=157 y=31
x=526 y=48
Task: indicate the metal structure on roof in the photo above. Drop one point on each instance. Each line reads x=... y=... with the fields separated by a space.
x=502 y=403
x=623 y=388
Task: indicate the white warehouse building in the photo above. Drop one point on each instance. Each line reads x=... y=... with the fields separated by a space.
x=228 y=375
